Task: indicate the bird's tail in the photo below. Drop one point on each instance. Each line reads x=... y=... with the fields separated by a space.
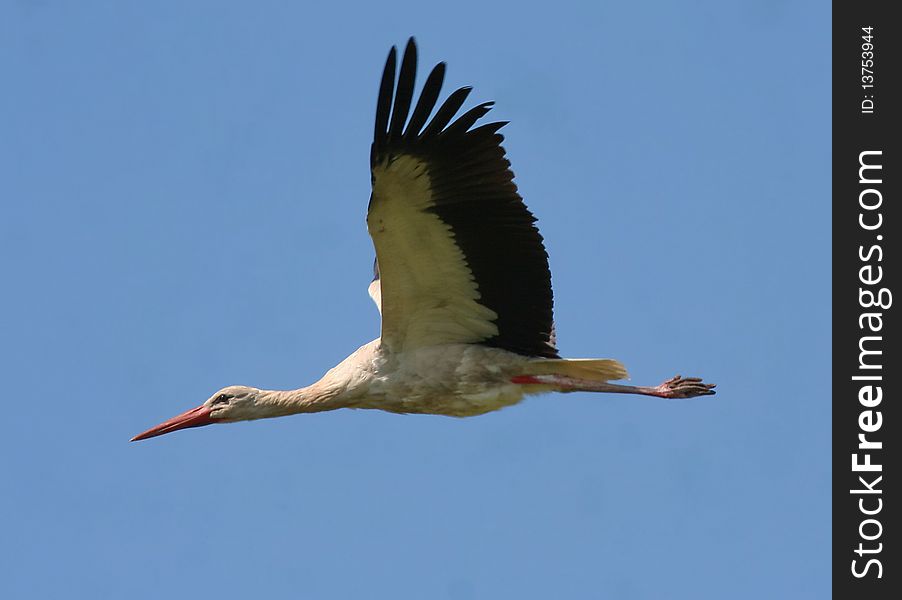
x=586 y=369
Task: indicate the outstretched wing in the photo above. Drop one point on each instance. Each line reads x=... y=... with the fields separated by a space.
x=459 y=259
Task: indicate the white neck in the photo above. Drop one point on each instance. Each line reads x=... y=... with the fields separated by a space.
x=320 y=396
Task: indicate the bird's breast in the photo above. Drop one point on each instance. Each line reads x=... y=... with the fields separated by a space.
x=458 y=380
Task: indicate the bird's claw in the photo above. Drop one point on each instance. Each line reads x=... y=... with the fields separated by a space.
x=688 y=387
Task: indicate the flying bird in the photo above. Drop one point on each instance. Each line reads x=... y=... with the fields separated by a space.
x=461 y=280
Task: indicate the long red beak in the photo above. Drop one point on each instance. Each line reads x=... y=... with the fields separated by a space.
x=195 y=417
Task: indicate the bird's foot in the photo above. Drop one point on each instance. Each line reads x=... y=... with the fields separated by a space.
x=679 y=387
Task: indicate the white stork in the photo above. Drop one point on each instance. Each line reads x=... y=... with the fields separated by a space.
x=461 y=280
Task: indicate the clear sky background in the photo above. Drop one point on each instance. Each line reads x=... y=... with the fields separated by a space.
x=183 y=190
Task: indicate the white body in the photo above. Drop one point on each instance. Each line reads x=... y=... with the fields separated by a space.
x=458 y=380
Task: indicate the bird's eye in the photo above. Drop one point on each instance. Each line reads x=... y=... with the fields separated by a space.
x=221 y=399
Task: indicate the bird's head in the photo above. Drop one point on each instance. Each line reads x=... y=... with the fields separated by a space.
x=233 y=403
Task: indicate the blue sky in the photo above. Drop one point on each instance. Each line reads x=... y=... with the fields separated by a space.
x=183 y=190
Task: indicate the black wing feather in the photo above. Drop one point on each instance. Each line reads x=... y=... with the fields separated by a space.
x=404 y=94
x=446 y=112
x=468 y=119
x=428 y=98
x=383 y=104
